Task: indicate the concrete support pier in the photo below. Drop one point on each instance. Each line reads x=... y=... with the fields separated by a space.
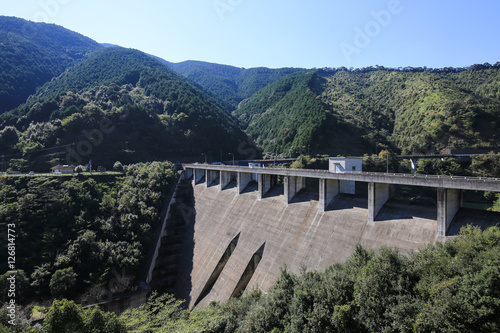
x=198 y=175
x=292 y=186
x=188 y=174
x=266 y=182
x=225 y=178
x=328 y=190
x=449 y=202
x=243 y=179
x=211 y=176
x=378 y=195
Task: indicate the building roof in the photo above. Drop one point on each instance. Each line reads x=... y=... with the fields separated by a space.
x=345 y=158
x=59 y=167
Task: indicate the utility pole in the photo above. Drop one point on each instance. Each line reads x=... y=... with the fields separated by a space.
x=233 y=157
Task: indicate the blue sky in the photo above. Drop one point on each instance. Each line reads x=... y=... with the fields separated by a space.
x=291 y=33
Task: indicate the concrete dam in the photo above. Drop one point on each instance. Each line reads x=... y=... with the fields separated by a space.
x=239 y=231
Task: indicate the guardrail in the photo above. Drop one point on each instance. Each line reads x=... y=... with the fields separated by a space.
x=50 y=174
x=429 y=176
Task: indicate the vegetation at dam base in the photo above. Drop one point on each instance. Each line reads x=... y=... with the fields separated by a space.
x=450 y=287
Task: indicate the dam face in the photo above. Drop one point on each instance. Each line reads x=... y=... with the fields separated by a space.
x=238 y=242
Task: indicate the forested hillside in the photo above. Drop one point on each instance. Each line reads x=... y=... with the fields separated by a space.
x=286 y=117
x=76 y=234
x=405 y=110
x=141 y=108
x=420 y=111
x=286 y=111
x=231 y=84
x=32 y=54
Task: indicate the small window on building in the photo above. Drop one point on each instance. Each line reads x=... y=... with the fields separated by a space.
x=354 y=168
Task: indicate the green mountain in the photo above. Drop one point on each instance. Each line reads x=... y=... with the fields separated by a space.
x=230 y=84
x=407 y=110
x=286 y=117
x=119 y=104
x=32 y=54
x=160 y=110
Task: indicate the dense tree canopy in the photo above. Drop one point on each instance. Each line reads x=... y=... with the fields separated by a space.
x=34 y=53
x=446 y=287
x=228 y=83
x=127 y=106
x=361 y=111
x=67 y=317
x=82 y=231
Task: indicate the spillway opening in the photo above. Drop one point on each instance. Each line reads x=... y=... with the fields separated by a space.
x=218 y=269
x=248 y=273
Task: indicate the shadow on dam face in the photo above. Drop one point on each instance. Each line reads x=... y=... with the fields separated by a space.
x=481 y=218
x=218 y=269
x=183 y=283
x=249 y=272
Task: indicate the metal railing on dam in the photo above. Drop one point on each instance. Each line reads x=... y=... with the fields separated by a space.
x=436 y=181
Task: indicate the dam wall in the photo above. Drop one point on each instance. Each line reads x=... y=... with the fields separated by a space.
x=239 y=242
